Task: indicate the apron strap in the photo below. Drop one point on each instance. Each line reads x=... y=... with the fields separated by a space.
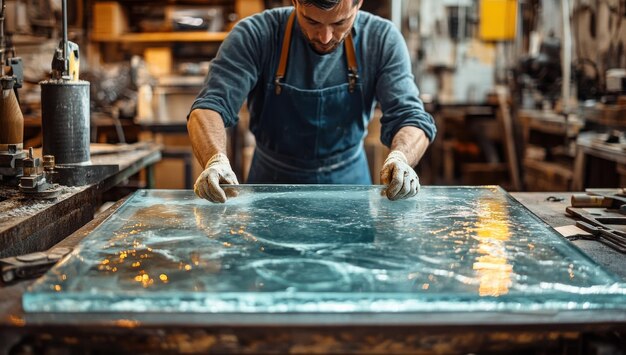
x=353 y=67
x=284 y=53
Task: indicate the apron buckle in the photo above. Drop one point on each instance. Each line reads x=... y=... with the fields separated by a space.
x=352 y=79
x=278 y=86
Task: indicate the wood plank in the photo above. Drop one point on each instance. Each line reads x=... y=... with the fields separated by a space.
x=509 y=142
x=194 y=36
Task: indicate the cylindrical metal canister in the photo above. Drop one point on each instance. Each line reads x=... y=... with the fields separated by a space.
x=11 y=118
x=65 y=120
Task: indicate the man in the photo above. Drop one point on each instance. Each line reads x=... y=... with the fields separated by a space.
x=312 y=75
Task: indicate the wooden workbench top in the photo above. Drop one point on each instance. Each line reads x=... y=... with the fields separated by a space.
x=28 y=225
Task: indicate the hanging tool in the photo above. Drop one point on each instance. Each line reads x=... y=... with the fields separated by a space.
x=66 y=62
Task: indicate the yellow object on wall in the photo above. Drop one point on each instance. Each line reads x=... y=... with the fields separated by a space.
x=245 y=8
x=498 y=20
x=159 y=60
x=109 y=19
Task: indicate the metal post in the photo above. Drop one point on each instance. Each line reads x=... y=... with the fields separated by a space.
x=2 y=43
x=396 y=13
x=566 y=55
x=65 y=44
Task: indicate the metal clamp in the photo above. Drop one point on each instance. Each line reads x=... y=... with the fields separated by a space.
x=278 y=85
x=353 y=77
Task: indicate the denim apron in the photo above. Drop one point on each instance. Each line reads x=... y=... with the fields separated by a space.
x=311 y=136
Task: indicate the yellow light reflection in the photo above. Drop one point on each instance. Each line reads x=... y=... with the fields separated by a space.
x=492 y=264
x=145 y=279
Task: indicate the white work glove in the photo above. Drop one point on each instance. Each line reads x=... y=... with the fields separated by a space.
x=401 y=180
x=217 y=171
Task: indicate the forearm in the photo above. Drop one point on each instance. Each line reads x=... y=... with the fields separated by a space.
x=412 y=142
x=207 y=134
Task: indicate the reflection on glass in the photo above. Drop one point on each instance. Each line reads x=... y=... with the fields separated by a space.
x=324 y=249
x=492 y=233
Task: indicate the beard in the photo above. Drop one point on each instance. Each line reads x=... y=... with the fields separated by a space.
x=321 y=48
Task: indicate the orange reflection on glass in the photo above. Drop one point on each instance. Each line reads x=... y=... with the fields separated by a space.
x=127 y=323
x=17 y=320
x=492 y=263
x=195 y=258
x=144 y=279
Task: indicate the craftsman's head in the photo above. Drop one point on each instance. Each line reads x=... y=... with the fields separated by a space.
x=325 y=23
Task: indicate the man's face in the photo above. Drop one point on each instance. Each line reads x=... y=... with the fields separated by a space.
x=326 y=29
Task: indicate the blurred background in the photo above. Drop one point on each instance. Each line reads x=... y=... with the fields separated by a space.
x=528 y=94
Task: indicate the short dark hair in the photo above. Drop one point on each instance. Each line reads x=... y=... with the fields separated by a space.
x=324 y=4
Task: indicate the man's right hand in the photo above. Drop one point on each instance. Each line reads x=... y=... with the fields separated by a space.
x=217 y=171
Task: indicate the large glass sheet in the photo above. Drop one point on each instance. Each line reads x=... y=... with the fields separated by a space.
x=278 y=249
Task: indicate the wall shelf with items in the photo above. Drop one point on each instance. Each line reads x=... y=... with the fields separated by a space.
x=176 y=40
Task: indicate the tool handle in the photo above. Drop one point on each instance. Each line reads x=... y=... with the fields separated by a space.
x=584 y=200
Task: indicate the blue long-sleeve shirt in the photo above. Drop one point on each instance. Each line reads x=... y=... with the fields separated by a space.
x=248 y=58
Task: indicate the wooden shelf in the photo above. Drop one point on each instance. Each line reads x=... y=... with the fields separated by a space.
x=162 y=37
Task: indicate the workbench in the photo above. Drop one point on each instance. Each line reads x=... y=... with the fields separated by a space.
x=592 y=145
x=149 y=333
x=27 y=225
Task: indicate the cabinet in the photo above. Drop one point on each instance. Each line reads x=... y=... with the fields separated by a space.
x=548 y=150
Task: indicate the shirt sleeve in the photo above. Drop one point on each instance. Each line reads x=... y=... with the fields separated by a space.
x=396 y=90
x=235 y=70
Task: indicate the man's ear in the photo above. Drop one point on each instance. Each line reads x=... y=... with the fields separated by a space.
x=360 y=4
x=293 y=2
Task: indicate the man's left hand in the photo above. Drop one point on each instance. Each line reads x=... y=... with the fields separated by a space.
x=401 y=180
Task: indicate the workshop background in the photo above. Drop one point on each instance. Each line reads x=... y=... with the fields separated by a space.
x=528 y=94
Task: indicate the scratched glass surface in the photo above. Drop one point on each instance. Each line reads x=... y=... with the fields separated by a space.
x=325 y=249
